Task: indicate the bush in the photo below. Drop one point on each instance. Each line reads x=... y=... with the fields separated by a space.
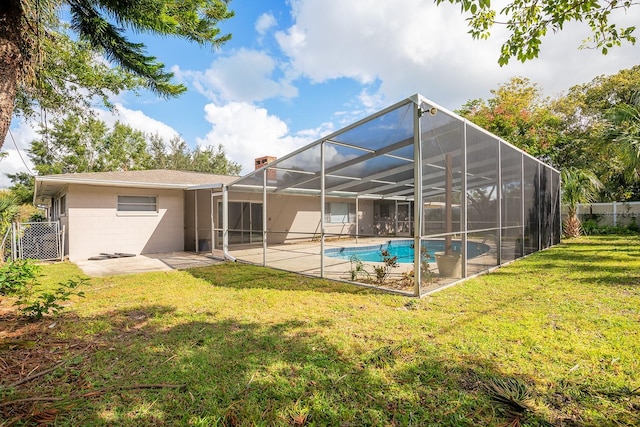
x=591 y=228
x=49 y=302
x=17 y=277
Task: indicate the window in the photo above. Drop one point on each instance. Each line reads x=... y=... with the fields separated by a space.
x=337 y=213
x=137 y=204
x=62 y=205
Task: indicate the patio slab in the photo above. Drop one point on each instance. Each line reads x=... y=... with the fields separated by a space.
x=144 y=263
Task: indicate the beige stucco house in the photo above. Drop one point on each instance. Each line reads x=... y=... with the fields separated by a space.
x=155 y=211
x=127 y=212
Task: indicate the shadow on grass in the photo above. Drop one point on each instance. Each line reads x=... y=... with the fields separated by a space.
x=601 y=262
x=244 y=373
x=247 y=276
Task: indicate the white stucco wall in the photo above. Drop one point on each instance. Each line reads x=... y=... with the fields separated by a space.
x=95 y=226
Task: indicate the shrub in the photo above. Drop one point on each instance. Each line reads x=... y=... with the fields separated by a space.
x=17 y=277
x=49 y=302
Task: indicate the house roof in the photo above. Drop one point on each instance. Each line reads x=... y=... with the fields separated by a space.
x=49 y=185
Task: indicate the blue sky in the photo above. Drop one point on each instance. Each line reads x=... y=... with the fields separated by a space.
x=299 y=69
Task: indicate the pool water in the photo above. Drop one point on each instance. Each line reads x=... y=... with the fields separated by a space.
x=403 y=249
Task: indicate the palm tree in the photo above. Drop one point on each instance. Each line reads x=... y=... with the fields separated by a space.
x=26 y=24
x=624 y=122
x=578 y=186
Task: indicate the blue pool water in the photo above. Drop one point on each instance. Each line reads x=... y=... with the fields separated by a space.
x=403 y=249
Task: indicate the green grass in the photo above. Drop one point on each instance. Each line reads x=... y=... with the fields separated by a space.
x=255 y=346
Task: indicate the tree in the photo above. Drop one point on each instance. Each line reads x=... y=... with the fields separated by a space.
x=624 y=133
x=593 y=125
x=22 y=188
x=528 y=21
x=30 y=32
x=578 y=186
x=214 y=161
x=73 y=144
x=519 y=114
x=77 y=144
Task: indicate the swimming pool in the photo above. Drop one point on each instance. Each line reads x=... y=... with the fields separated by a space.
x=403 y=249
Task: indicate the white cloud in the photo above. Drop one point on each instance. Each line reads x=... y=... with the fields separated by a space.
x=22 y=133
x=244 y=76
x=396 y=49
x=137 y=120
x=264 y=23
x=246 y=132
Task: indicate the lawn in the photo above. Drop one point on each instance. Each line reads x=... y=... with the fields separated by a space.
x=238 y=345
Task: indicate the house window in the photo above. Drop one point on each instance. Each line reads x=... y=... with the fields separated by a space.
x=62 y=205
x=137 y=203
x=340 y=213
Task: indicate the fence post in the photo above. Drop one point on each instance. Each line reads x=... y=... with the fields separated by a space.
x=615 y=214
x=14 y=242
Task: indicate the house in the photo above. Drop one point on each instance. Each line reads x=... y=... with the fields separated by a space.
x=412 y=175
x=129 y=212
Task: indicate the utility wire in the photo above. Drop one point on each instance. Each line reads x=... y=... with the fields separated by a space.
x=20 y=154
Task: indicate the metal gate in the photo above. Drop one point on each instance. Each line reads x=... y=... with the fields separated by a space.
x=35 y=240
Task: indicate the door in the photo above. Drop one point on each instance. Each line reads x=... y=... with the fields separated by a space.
x=403 y=219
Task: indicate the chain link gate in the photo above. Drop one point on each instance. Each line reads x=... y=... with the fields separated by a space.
x=34 y=240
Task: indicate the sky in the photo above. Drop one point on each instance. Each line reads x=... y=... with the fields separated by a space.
x=296 y=70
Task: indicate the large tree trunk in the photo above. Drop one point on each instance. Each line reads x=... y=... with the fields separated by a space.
x=10 y=60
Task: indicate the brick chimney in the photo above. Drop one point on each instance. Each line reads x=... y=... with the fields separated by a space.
x=265 y=160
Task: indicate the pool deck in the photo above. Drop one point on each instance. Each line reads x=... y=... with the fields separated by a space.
x=305 y=258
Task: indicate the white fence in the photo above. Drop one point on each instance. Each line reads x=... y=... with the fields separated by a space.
x=613 y=213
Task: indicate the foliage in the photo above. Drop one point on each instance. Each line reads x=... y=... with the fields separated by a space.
x=37 y=49
x=357 y=268
x=529 y=21
x=70 y=77
x=624 y=133
x=388 y=262
x=17 y=277
x=76 y=144
x=519 y=114
x=591 y=227
x=578 y=186
x=9 y=210
x=591 y=122
x=176 y=155
x=36 y=305
x=22 y=186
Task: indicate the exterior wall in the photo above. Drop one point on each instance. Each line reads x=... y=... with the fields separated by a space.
x=95 y=226
x=291 y=218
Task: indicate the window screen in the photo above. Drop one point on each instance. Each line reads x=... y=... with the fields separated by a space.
x=340 y=213
x=137 y=203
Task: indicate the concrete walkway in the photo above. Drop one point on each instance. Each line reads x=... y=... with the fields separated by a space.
x=144 y=263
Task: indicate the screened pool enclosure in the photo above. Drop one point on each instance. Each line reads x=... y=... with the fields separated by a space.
x=410 y=199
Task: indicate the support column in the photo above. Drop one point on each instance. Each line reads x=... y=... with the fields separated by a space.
x=195 y=214
x=322 y=208
x=417 y=200
x=213 y=242
x=225 y=219
x=357 y=219
x=499 y=236
x=463 y=205
x=264 y=217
